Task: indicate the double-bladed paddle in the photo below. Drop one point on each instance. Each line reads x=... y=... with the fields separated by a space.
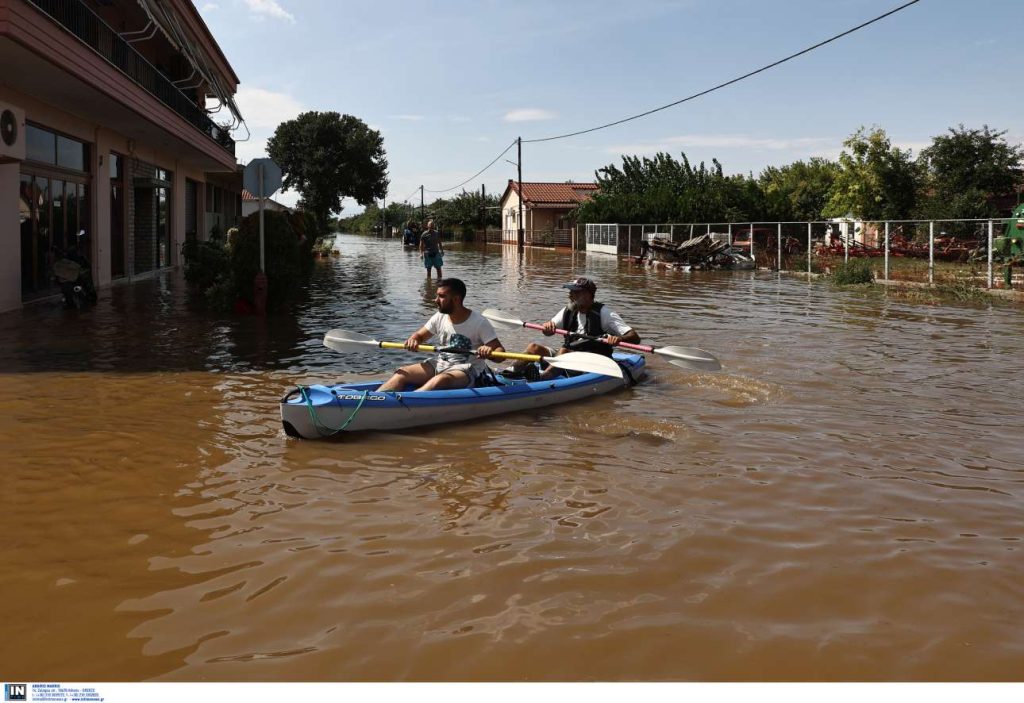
x=344 y=340
x=696 y=359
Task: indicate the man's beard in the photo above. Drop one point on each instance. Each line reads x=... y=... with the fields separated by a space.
x=572 y=306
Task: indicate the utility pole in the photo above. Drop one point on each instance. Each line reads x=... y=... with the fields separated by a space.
x=421 y=206
x=483 y=209
x=520 y=235
x=384 y=218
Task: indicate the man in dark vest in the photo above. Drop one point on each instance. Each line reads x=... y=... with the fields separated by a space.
x=582 y=317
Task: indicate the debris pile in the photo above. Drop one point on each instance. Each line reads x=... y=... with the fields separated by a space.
x=703 y=252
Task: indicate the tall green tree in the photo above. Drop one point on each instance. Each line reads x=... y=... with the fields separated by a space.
x=965 y=169
x=326 y=157
x=466 y=211
x=663 y=189
x=799 y=191
x=876 y=180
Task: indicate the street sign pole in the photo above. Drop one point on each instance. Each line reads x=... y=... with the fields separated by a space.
x=261 y=177
x=261 y=195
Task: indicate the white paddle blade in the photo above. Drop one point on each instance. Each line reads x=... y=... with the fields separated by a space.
x=502 y=319
x=344 y=340
x=696 y=359
x=585 y=362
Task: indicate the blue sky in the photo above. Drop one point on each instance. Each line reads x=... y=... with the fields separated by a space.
x=450 y=84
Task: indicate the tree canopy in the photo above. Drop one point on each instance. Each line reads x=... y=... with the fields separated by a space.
x=964 y=169
x=799 y=191
x=876 y=180
x=663 y=189
x=326 y=157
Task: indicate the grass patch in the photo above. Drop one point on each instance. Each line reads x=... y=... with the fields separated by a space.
x=852 y=272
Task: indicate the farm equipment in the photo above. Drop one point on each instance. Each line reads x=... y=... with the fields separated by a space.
x=1009 y=249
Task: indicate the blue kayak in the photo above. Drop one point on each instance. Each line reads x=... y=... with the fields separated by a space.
x=319 y=411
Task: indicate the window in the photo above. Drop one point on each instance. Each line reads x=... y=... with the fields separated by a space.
x=44 y=146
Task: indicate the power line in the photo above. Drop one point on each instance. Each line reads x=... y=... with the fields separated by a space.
x=475 y=174
x=727 y=83
x=406 y=199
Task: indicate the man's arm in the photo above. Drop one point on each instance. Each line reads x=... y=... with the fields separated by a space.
x=616 y=330
x=484 y=351
x=419 y=337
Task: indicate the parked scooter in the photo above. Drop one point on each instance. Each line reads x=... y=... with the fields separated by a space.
x=74 y=274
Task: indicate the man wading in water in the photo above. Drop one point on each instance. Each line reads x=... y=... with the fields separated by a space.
x=432 y=249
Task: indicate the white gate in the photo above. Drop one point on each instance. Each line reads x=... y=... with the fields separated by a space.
x=603 y=239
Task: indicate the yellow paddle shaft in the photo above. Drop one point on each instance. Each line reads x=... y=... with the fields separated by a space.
x=494 y=355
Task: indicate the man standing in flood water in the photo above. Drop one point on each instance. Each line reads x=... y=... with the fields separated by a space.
x=431 y=249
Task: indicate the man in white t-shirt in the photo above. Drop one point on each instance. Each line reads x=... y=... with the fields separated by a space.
x=586 y=320
x=456 y=326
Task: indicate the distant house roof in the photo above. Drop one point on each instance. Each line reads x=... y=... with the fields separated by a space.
x=248 y=197
x=552 y=195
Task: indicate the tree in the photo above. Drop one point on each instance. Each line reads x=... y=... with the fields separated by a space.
x=876 y=181
x=662 y=189
x=799 y=191
x=466 y=212
x=326 y=157
x=964 y=170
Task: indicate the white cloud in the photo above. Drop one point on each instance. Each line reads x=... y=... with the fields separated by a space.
x=209 y=7
x=269 y=8
x=915 y=146
x=407 y=118
x=265 y=109
x=528 y=114
x=723 y=141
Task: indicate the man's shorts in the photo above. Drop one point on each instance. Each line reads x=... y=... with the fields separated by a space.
x=467 y=368
x=433 y=261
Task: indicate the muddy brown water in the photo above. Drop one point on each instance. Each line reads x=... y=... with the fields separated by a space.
x=844 y=501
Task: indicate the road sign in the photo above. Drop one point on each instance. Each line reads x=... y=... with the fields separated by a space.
x=261 y=177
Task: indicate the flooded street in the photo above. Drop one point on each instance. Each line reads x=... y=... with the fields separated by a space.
x=842 y=502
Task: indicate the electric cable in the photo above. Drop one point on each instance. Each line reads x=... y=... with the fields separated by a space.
x=727 y=83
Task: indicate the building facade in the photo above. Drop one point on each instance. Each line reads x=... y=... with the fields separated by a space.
x=107 y=145
x=546 y=211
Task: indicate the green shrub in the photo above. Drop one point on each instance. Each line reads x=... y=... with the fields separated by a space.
x=205 y=262
x=282 y=254
x=853 y=272
x=221 y=295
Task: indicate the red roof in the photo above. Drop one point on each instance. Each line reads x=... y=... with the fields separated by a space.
x=554 y=194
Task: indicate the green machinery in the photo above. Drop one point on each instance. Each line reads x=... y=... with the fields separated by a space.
x=1009 y=249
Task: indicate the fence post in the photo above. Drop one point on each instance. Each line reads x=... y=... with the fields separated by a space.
x=778 y=249
x=990 y=280
x=886 y=250
x=931 y=252
x=846 y=244
x=730 y=234
x=808 y=251
x=752 y=257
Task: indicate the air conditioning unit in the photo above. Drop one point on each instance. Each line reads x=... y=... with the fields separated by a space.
x=12 y=133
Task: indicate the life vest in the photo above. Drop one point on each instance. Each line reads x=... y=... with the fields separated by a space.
x=592 y=327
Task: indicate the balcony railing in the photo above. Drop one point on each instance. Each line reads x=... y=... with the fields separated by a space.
x=82 y=22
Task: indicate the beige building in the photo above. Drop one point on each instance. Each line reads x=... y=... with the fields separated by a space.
x=105 y=140
x=546 y=209
x=251 y=204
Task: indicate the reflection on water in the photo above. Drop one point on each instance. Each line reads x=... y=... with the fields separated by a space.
x=841 y=502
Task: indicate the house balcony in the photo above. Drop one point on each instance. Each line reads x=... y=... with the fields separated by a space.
x=75 y=17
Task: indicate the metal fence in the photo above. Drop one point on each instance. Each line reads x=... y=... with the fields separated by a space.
x=925 y=250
